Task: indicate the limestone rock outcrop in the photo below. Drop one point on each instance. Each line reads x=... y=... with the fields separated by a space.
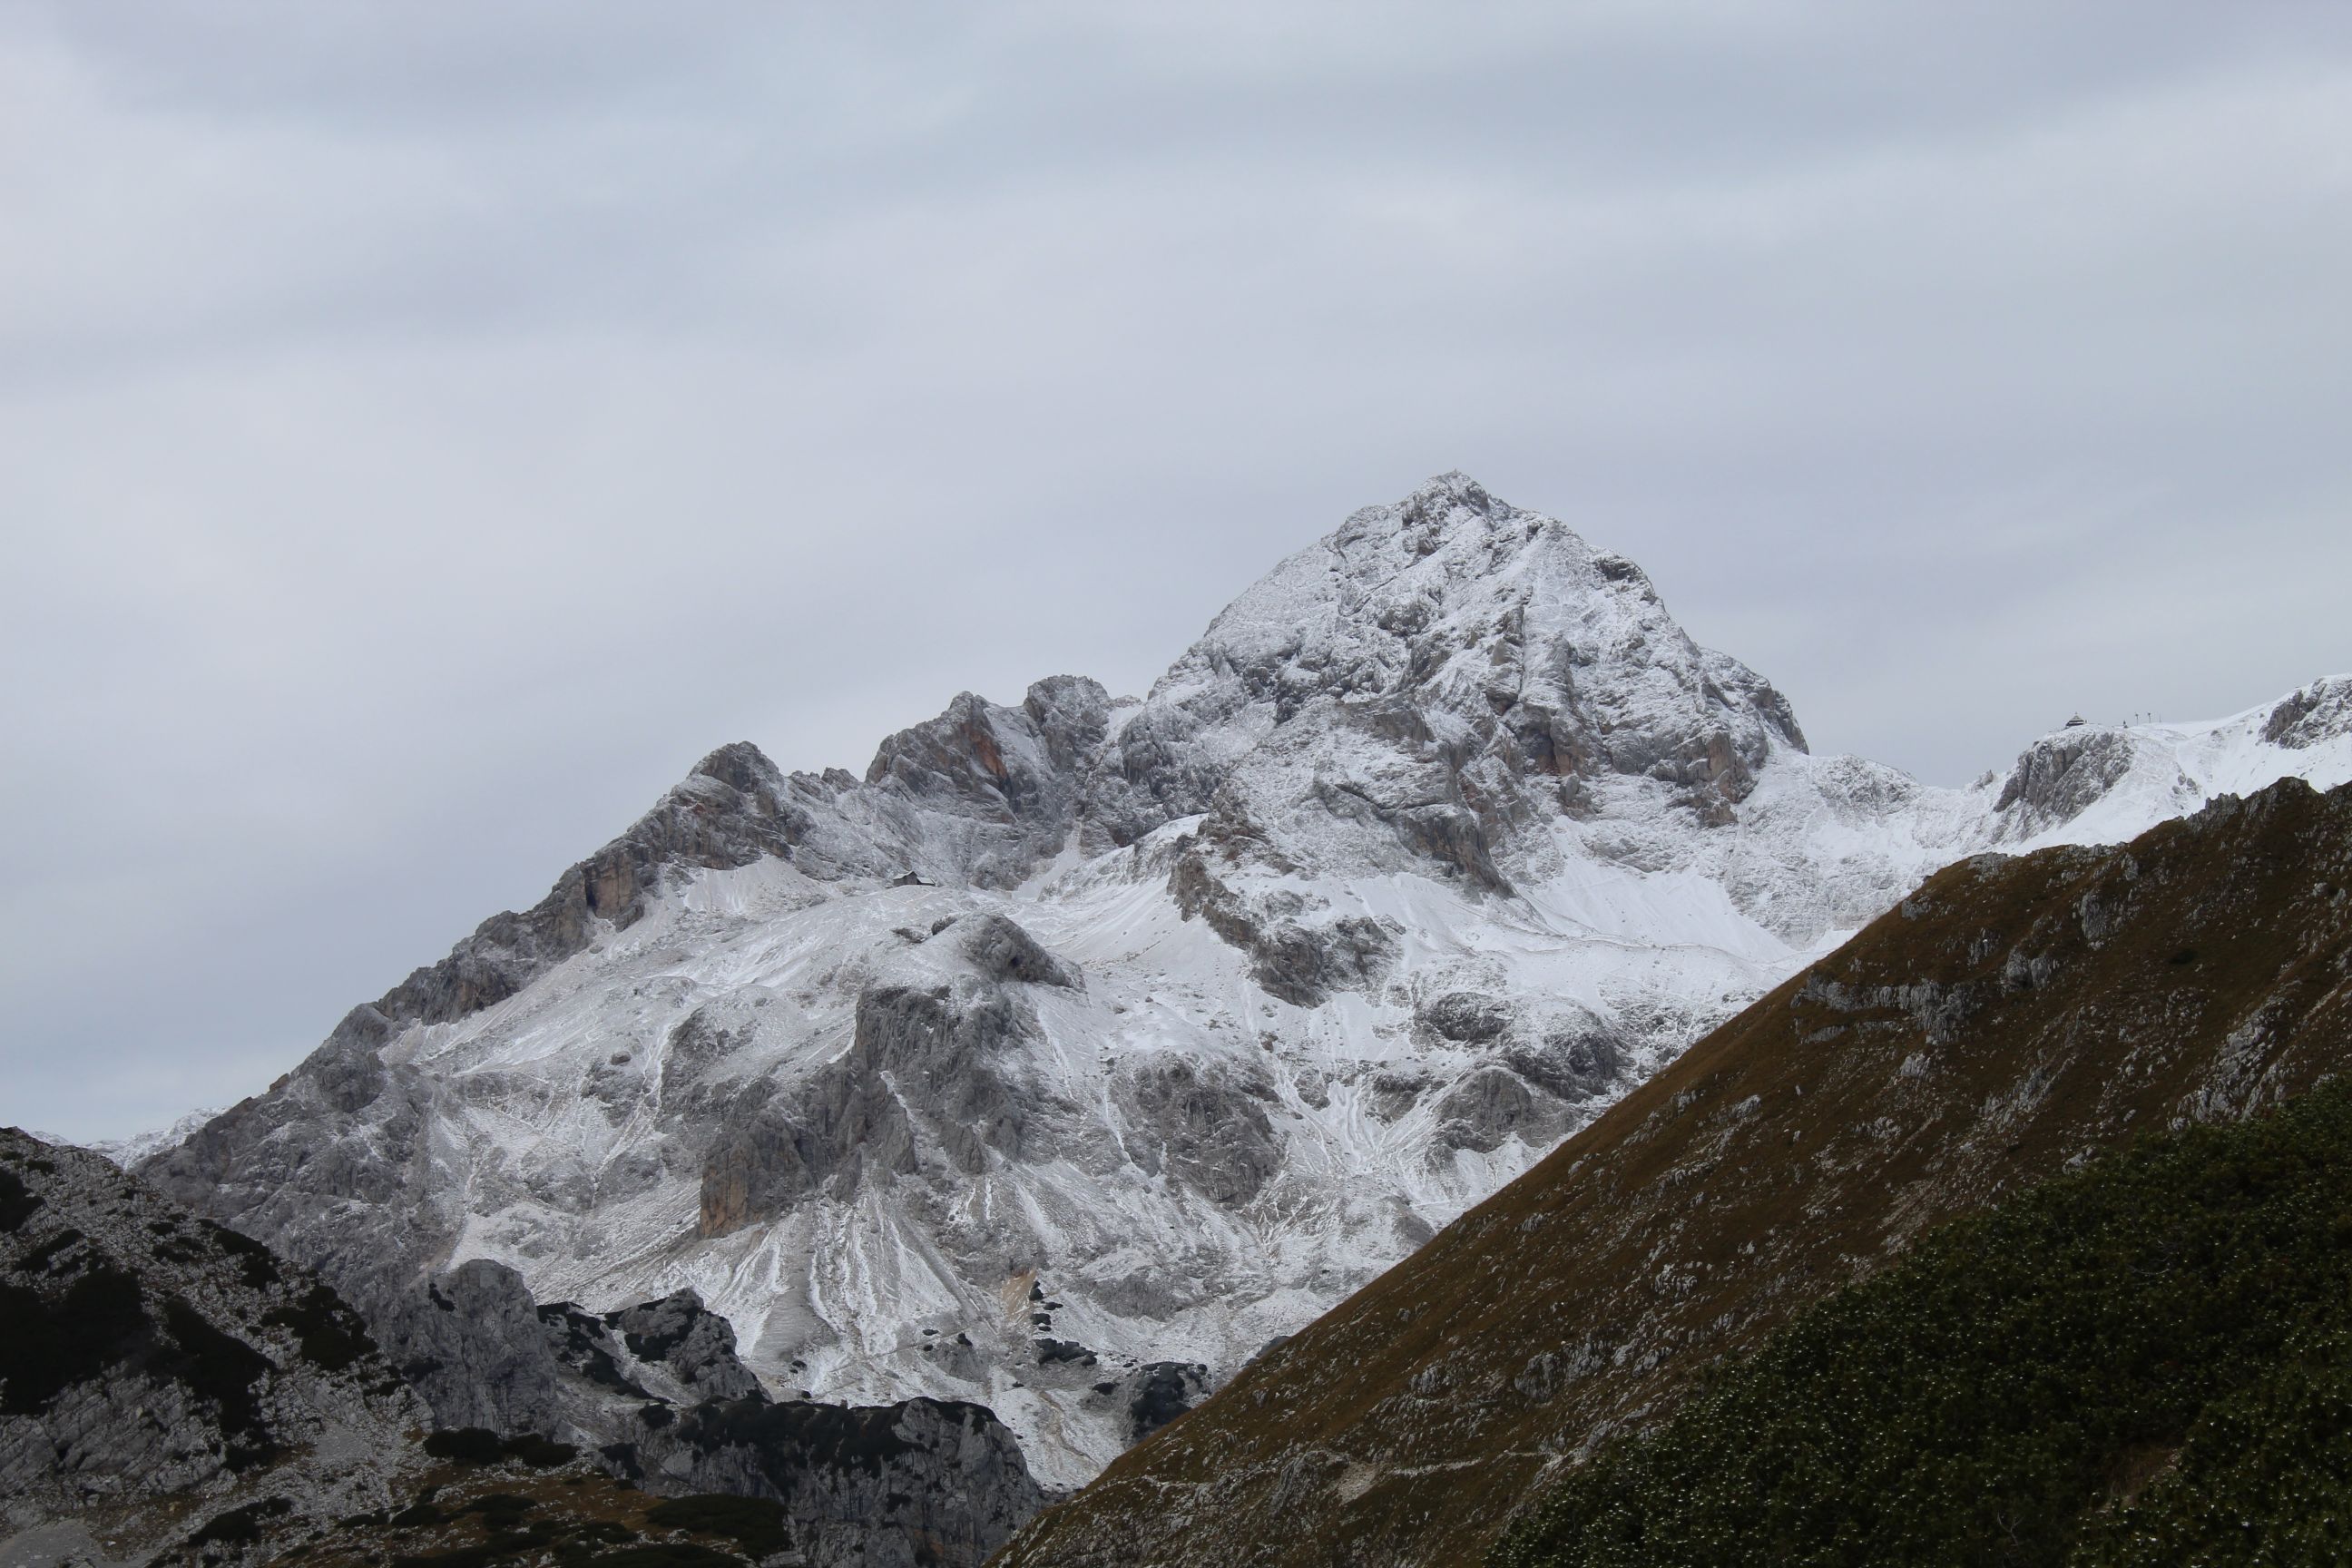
x=657 y=1394
x=170 y=1391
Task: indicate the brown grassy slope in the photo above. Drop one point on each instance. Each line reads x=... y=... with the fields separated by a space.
x=2008 y=1017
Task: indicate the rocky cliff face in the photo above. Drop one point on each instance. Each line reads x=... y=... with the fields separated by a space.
x=1083 y=1039
x=655 y=1394
x=2004 y=1021
x=172 y=1392
x=168 y=1387
x=1006 y=779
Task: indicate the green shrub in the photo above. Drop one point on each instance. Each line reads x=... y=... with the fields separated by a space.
x=2147 y=1362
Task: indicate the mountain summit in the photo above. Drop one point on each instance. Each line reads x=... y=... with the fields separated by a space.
x=1467 y=668
x=1083 y=1047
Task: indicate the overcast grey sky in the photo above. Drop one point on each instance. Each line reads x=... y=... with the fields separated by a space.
x=424 y=430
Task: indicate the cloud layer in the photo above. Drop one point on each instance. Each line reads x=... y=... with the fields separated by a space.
x=425 y=431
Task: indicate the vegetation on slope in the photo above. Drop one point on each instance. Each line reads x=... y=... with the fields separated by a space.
x=2147 y=1362
x=2008 y=1020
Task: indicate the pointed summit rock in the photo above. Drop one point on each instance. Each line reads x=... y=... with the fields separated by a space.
x=1430 y=689
x=998 y=784
x=1459 y=666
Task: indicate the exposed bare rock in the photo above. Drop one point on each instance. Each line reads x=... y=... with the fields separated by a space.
x=911 y=1485
x=731 y=810
x=1208 y=1131
x=2062 y=775
x=1575 y=1055
x=777 y=1144
x=158 y=1374
x=942 y=1045
x=474 y=1346
x=1439 y=673
x=657 y=1394
x=695 y=1346
x=1002 y=951
x=1396 y=1092
x=2312 y=716
x=1004 y=780
x=1163 y=1390
x=1492 y=1105
x=1466 y=1018
x=1301 y=951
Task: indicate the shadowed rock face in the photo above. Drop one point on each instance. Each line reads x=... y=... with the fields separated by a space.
x=777 y=1144
x=2064 y=773
x=925 y=1070
x=696 y=1345
x=903 y=1486
x=943 y=1043
x=1165 y=1390
x=1002 y=952
x=656 y=1394
x=176 y=1390
x=2317 y=713
x=1492 y=1105
x=1467 y=1016
x=471 y=1343
x=1212 y=1132
x=1012 y=770
x=2005 y=1021
x=157 y=1371
x=1301 y=951
x=1575 y=1059
x=331 y=1168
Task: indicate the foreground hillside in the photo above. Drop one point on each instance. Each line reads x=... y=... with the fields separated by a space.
x=2008 y=1020
x=164 y=1382
x=2148 y=1363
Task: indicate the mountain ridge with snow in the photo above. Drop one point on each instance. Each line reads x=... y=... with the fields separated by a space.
x=1083 y=1045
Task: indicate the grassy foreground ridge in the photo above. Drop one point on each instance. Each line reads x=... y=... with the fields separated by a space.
x=2147 y=1362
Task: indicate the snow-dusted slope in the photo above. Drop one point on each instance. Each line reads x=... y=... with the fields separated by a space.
x=2098 y=784
x=1082 y=1047
x=127 y=1153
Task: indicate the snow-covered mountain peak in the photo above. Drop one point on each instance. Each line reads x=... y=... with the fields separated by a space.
x=1432 y=690
x=1081 y=1046
x=1456 y=667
